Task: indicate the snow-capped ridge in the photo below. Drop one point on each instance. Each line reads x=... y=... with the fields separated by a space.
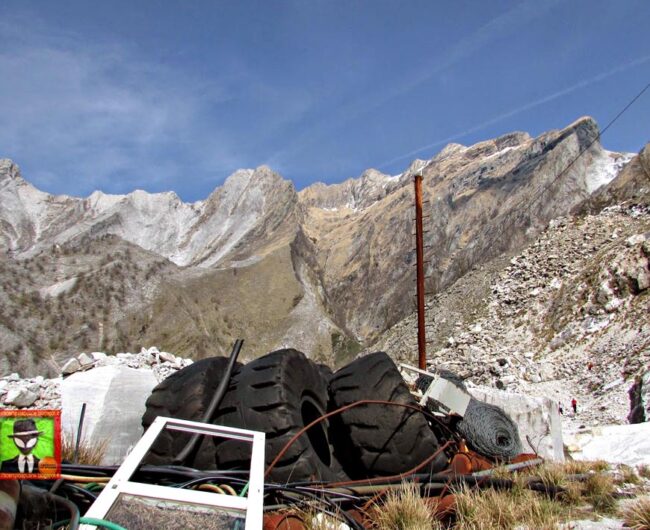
x=183 y=232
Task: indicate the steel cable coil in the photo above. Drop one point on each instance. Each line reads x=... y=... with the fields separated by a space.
x=489 y=431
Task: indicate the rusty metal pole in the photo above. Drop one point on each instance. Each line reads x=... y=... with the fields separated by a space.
x=419 y=237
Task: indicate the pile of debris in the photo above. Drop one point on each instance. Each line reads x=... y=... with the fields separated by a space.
x=35 y=392
x=162 y=363
x=40 y=393
x=566 y=318
x=331 y=442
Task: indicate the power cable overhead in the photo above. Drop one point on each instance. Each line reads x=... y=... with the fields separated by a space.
x=598 y=137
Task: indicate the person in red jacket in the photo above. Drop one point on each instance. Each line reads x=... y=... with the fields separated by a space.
x=574 y=405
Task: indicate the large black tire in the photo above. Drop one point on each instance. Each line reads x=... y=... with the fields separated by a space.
x=279 y=394
x=378 y=440
x=185 y=395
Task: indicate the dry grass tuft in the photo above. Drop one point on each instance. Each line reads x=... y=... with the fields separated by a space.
x=576 y=467
x=628 y=475
x=552 y=475
x=572 y=495
x=491 y=509
x=405 y=509
x=598 y=490
x=90 y=454
x=314 y=519
x=637 y=516
x=599 y=466
x=502 y=472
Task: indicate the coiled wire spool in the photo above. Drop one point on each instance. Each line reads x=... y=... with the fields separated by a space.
x=489 y=431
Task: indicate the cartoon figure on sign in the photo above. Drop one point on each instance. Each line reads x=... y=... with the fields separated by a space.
x=25 y=437
x=30 y=444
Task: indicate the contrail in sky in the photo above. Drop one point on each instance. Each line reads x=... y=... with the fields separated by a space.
x=528 y=106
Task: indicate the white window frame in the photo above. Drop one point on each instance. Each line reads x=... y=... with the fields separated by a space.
x=250 y=506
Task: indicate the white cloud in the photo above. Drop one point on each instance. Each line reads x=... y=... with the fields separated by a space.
x=100 y=110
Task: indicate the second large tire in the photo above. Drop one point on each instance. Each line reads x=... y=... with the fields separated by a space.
x=378 y=440
x=185 y=395
x=279 y=394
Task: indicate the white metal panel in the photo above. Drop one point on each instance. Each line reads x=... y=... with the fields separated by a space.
x=448 y=395
x=120 y=483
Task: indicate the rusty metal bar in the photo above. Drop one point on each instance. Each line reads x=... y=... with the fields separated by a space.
x=422 y=343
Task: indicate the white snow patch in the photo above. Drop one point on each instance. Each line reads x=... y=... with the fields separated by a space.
x=617 y=444
x=605 y=168
x=502 y=152
x=100 y=201
x=58 y=288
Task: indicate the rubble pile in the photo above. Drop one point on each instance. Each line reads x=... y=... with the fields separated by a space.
x=41 y=393
x=567 y=318
x=560 y=314
x=35 y=392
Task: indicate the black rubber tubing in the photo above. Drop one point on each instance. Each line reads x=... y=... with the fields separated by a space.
x=188 y=452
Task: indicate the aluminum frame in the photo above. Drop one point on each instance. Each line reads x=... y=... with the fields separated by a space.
x=251 y=507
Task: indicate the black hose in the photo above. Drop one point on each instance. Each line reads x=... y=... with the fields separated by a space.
x=338 y=513
x=90 y=496
x=154 y=474
x=71 y=506
x=214 y=478
x=56 y=485
x=88 y=470
x=340 y=495
x=188 y=452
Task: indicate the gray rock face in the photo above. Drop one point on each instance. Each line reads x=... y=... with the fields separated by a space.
x=476 y=197
x=568 y=315
x=115 y=401
x=71 y=366
x=21 y=397
x=85 y=360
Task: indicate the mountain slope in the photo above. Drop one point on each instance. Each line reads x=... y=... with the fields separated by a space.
x=327 y=270
x=487 y=199
x=566 y=317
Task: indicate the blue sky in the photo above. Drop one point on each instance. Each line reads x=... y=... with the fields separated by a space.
x=176 y=95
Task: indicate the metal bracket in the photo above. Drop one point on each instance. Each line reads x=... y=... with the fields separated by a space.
x=441 y=395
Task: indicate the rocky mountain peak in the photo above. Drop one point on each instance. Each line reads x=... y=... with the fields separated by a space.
x=9 y=170
x=250 y=182
x=373 y=175
x=449 y=150
x=585 y=128
x=512 y=139
x=333 y=261
x=415 y=167
x=354 y=194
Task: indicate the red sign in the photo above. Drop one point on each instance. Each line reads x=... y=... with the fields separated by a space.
x=30 y=444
